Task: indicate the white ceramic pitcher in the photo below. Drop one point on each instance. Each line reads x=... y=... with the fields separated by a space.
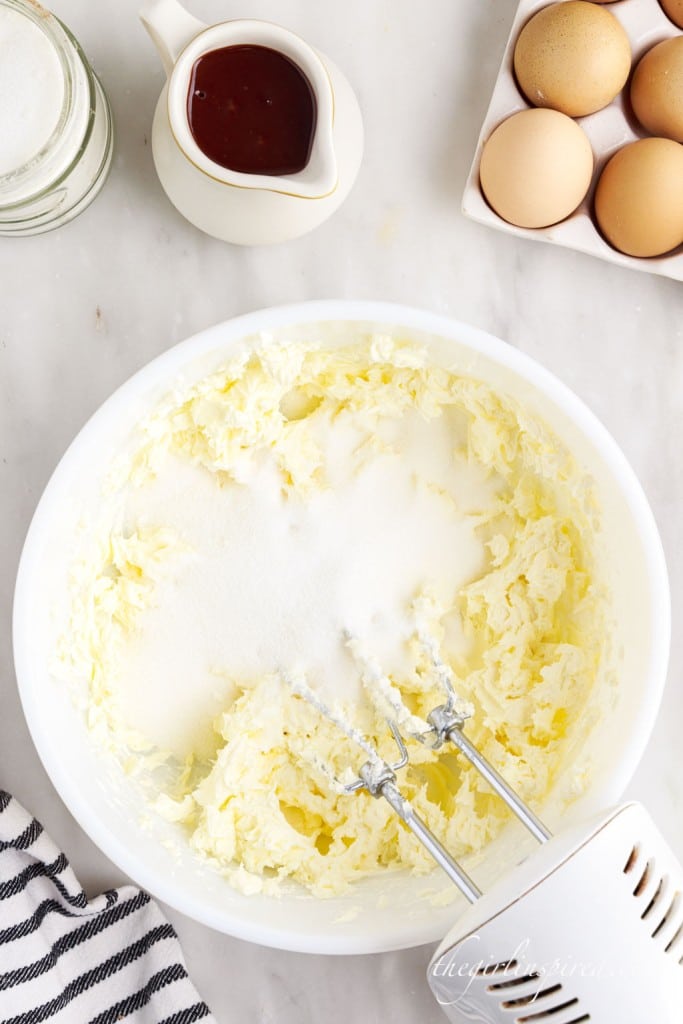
x=249 y=209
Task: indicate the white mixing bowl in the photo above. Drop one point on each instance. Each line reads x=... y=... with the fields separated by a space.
x=385 y=913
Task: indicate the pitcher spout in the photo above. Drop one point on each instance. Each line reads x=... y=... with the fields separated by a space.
x=170 y=27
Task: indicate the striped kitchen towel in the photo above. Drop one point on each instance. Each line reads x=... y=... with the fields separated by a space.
x=69 y=960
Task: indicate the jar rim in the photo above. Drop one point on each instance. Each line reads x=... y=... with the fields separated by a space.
x=62 y=43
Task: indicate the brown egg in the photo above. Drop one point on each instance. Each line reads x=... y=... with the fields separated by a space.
x=674 y=9
x=573 y=56
x=536 y=168
x=639 y=198
x=657 y=89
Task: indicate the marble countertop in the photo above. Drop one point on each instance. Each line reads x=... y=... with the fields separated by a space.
x=84 y=307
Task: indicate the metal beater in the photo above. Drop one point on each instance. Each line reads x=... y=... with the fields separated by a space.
x=588 y=929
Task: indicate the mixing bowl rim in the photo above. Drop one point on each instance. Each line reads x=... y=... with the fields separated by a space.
x=229 y=332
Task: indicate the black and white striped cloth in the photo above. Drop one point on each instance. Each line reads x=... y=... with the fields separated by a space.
x=67 y=960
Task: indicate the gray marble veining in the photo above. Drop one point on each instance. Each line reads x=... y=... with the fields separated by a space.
x=83 y=308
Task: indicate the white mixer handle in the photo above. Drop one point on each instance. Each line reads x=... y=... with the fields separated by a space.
x=588 y=929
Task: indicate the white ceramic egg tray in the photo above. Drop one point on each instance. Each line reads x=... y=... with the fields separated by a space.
x=608 y=130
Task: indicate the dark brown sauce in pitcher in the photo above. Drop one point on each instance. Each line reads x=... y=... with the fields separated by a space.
x=251 y=109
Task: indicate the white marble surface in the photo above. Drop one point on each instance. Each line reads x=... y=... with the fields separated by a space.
x=83 y=308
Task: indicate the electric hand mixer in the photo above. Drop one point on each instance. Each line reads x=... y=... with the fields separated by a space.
x=588 y=928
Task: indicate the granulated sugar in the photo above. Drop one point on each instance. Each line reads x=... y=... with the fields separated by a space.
x=31 y=90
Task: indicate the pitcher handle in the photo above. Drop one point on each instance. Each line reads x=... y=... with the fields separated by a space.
x=171 y=28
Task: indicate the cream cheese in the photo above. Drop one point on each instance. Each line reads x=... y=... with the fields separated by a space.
x=300 y=495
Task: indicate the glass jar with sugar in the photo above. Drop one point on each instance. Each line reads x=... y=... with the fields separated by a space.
x=55 y=122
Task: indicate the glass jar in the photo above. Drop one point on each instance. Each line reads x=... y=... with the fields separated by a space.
x=68 y=170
